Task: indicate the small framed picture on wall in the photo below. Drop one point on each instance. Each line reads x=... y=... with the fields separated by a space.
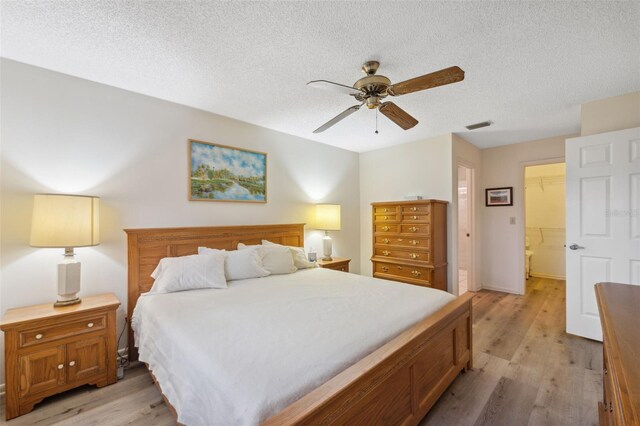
x=495 y=197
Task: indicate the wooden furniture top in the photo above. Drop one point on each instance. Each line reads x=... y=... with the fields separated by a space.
x=147 y=246
x=408 y=202
x=619 y=306
x=333 y=260
x=16 y=316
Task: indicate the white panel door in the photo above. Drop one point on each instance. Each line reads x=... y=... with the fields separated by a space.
x=603 y=221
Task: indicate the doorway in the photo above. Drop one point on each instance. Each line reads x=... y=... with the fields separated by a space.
x=465 y=229
x=545 y=233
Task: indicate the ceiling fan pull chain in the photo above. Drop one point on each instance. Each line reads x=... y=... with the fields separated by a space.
x=376 y=121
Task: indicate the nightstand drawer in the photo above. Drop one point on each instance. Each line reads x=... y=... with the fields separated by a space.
x=40 y=335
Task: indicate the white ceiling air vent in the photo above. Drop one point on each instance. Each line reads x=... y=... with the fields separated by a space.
x=479 y=125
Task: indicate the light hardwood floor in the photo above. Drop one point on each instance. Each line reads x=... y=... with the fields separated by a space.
x=527 y=370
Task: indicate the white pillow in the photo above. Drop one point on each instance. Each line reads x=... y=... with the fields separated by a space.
x=275 y=258
x=189 y=273
x=240 y=265
x=300 y=259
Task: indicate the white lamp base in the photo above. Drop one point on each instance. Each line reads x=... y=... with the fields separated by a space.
x=68 y=279
x=326 y=246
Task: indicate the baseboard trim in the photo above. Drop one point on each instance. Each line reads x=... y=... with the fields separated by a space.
x=500 y=289
x=549 y=276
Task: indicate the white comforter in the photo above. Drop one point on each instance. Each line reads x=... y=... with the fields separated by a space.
x=237 y=356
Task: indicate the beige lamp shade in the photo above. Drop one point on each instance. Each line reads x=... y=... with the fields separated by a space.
x=328 y=217
x=65 y=221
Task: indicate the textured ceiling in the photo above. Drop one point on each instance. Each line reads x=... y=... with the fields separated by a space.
x=529 y=65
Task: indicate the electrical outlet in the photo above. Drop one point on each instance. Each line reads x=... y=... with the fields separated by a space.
x=512 y=220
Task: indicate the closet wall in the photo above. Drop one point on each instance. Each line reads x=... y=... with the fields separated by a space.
x=545 y=219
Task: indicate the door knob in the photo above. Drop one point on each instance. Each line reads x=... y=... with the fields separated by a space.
x=575 y=247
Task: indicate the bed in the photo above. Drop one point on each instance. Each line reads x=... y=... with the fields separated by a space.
x=391 y=380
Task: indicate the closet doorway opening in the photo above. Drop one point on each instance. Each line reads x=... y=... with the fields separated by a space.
x=544 y=222
x=466 y=232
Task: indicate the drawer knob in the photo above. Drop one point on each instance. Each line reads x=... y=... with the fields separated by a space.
x=385 y=241
x=414 y=209
x=385 y=228
x=414 y=255
x=413 y=229
x=39 y=336
x=72 y=363
x=60 y=366
x=416 y=273
x=385 y=210
x=414 y=217
x=90 y=325
x=386 y=217
x=414 y=242
x=386 y=253
x=384 y=269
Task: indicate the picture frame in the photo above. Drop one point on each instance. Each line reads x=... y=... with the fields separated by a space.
x=226 y=173
x=499 y=197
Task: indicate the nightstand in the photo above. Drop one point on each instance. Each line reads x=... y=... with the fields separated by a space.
x=50 y=350
x=337 y=263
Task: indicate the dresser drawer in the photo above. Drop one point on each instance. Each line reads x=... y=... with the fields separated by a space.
x=385 y=217
x=43 y=334
x=415 y=273
x=385 y=209
x=418 y=242
x=420 y=209
x=387 y=227
x=422 y=256
x=418 y=228
x=416 y=217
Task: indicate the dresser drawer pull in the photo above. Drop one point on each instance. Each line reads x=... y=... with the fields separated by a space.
x=414 y=255
x=414 y=242
x=385 y=241
x=90 y=325
x=39 y=336
x=385 y=228
x=385 y=269
x=414 y=209
x=72 y=363
x=60 y=366
x=413 y=229
x=414 y=217
x=385 y=210
x=386 y=217
x=416 y=273
x=386 y=253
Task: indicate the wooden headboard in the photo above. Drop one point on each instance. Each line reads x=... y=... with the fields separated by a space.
x=147 y=246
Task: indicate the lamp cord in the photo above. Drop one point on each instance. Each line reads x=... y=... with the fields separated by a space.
x=122 y=361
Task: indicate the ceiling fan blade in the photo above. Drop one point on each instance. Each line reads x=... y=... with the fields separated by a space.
x=334 y=87
x=344 y=114
x=428 y=81
x=396 y=114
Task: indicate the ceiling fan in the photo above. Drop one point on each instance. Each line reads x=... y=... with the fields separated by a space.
x=372 y=89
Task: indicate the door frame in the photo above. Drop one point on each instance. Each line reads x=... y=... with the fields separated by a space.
x=522 y=229
x=471 y=205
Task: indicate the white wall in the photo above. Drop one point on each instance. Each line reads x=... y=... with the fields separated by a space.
x=545 y=200
x=62 y=134
x=388 y=174
x=503 y=243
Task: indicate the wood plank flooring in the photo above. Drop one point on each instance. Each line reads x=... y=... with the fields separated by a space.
x=527 y=371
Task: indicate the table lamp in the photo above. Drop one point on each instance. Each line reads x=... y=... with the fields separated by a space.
x=65 y=221
x=327 y=219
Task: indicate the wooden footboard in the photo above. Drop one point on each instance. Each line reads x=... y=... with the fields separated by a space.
x=398 y=383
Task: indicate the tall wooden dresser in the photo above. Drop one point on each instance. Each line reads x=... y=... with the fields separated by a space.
x=410 y=242
x=619 y=306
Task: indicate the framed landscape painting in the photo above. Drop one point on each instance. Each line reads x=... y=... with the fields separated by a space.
x=224 y=173
x=499 y=196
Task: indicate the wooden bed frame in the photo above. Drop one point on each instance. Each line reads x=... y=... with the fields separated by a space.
x=396 y=384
